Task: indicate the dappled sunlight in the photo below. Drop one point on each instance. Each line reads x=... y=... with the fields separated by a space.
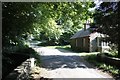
x=65 y=64
x=47 y=51
x=61 y=63
x=53 y=62
x=52 y=30
x=84 y=53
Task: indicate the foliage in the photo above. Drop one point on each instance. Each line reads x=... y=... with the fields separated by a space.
x=10 y=60
x=113 y=53
x=109 y=68
x=101 y=65
x=106 y=18
x=46 y=21
x=61 y=19
x=17 y=21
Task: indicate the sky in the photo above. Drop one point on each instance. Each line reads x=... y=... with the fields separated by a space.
x=97 y=2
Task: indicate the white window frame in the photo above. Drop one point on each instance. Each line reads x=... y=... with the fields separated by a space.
x=103 y=43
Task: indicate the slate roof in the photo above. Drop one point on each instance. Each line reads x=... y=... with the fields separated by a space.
x=87 y=32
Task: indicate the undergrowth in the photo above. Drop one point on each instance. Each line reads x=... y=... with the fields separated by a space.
x=113 y=70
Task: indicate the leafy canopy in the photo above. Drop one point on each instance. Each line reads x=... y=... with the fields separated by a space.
x=47 y=21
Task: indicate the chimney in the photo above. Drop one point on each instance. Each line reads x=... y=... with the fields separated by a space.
x=86 y=26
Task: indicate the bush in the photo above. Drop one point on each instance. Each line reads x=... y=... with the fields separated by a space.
x=10 y=61
x=103 y=66
x=113 y=51
x=14 y=55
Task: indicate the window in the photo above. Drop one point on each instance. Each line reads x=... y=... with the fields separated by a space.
x=76 y=42
x=83 y=42
x=102 y=42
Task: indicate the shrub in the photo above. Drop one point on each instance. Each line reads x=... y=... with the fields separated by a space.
x=103 y=66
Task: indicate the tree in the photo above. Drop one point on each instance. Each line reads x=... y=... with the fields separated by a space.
x=106 y=17
x=67 y=17
x=48 y=21
x=17 y=20
x=22 y=19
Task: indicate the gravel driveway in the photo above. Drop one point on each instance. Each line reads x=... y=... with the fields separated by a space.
x=59 y=63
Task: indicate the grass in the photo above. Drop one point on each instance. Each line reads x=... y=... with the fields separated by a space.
x=113 y=53
x=113 y=70
x=66 y=47
x=87 y=54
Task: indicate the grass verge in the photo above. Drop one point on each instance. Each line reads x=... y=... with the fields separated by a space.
x=113 y=70
x=66 y=47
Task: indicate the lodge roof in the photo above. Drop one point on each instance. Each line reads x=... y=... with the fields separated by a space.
x=87 y=32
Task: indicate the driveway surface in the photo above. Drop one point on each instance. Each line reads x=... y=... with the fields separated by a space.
x=59 y=63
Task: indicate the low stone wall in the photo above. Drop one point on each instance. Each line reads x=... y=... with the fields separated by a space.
x=22 y=72
x=108 y=60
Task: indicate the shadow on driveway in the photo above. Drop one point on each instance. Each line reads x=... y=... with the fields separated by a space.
x=60 y=61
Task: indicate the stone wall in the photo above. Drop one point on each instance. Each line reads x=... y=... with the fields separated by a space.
x=22 y=72
x=108 y=60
